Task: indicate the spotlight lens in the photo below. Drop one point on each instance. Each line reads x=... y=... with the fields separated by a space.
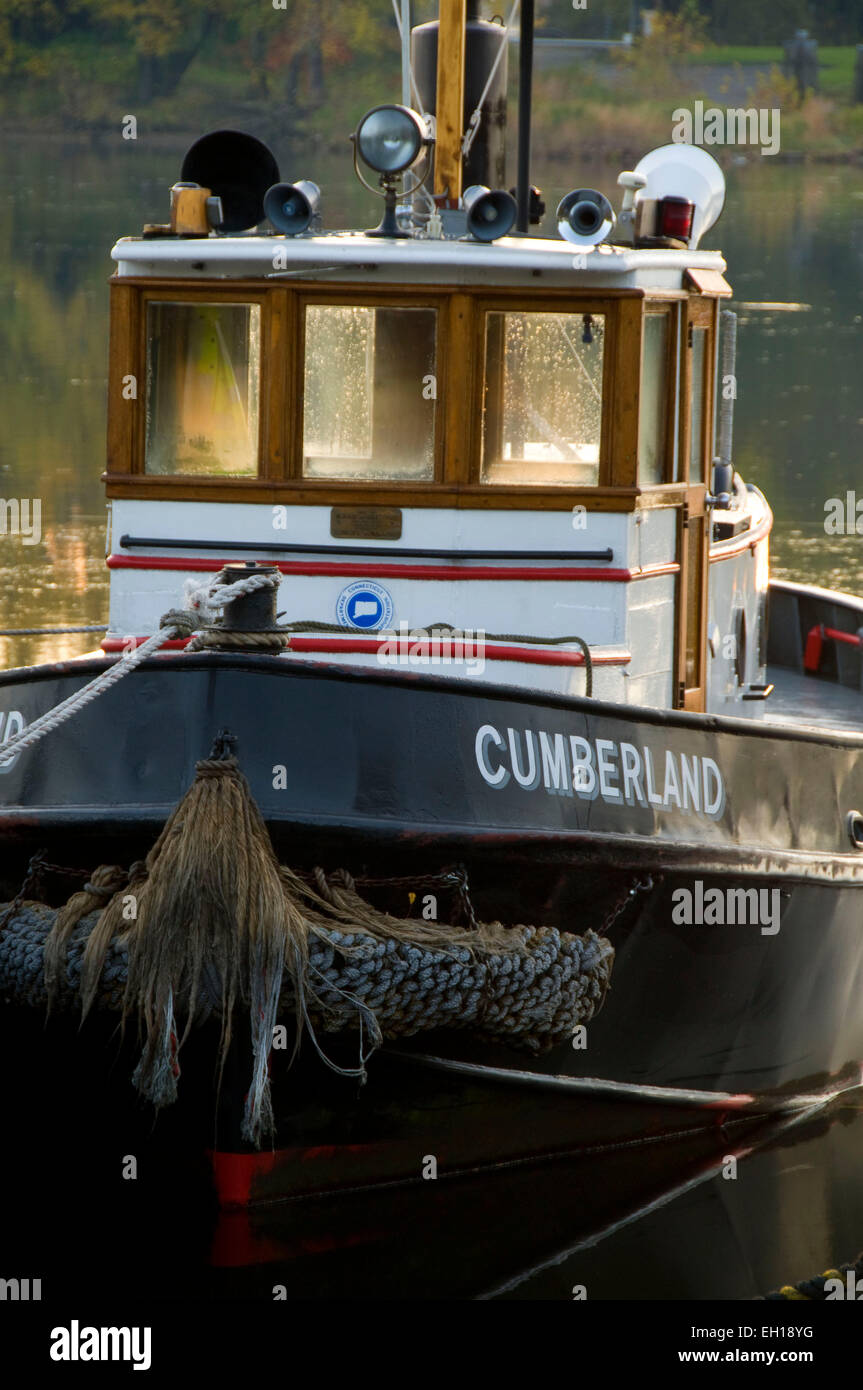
x=389 y=138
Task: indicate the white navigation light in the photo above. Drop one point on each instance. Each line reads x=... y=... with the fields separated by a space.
x=491 y=212
x=390 y=139
x=585 y=217
x=291 y=207
x=687 y=174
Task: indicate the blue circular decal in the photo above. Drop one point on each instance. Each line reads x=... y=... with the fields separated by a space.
x=364 y=604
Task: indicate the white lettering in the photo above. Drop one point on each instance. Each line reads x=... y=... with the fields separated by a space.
x=496 y=777
x=529 y=779
x=554 y=765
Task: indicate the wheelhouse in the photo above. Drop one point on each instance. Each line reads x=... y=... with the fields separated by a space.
x=506 y=443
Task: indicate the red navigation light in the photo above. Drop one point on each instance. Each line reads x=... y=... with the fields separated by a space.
x=674 y=218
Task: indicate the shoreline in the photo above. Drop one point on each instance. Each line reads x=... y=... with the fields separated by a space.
x=597 y=153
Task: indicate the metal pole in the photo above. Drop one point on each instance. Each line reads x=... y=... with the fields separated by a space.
x=406 y=53
x=525 y=78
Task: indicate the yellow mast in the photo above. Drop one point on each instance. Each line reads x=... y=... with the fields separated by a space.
x=452 y=22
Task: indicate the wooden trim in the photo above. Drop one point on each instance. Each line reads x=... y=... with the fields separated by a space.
x=386 y=289
x=664 y=297
x=124 y=360
x=464 y=410
x=666 y=311
x=458 y=414
x=623 y=460
x=700 y=314
x=323 y=492
x=701 y=311
x=662 y=495
x=449 y=98
x=695 y=512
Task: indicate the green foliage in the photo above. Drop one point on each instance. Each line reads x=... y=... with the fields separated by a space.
x=766 y=22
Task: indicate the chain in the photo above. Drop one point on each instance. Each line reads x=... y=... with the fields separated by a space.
x=454 y=879
x=31 y=878
x=642 y=885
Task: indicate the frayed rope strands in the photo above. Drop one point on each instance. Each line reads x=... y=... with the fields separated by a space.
x=219 y=923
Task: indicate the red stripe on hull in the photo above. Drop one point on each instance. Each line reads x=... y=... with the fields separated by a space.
x=526 y=655
x=391 y=571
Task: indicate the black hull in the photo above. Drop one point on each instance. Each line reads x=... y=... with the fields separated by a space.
x=390 y=761
x=383 y=778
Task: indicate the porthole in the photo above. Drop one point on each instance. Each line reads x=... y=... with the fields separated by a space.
x=854 y=826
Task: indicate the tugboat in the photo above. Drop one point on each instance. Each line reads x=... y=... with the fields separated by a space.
x=499 y=643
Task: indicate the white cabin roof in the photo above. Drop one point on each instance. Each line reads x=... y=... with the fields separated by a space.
x=354 y=255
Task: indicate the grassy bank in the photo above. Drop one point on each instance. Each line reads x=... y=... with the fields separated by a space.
x=619 y=109
x=613 y=107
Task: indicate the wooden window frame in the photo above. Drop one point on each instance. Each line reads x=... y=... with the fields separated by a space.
x=563 y=304
x=361 y=298
x=271 y=443
x=700 y=312
x=461 y=340
x=655 y=308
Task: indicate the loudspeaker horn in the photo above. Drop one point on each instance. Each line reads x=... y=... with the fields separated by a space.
x=236 y=168
x=491 y=212
x=585 y=217
x=292 y=206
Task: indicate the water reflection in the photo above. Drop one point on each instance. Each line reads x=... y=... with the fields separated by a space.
x=793 y=235
x=636 y=1223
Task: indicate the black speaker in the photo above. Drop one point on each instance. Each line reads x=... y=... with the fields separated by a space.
x=291 y=206
x=491 y=212
x=236 y=168
x=585 y=217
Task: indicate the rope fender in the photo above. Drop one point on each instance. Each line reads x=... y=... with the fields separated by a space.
x=210 y=921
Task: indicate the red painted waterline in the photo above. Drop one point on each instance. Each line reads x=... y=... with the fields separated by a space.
x=526 y=655
x=359 y=570
x=234 y=1174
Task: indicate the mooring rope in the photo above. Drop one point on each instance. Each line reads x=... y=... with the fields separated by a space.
x=50 y=631
x=60 y=713
x=177 y=622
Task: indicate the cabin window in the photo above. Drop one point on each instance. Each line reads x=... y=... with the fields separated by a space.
x=696 y=431
x=542 y=398
x=369 y=392
x=653 y=400
x=203 y=363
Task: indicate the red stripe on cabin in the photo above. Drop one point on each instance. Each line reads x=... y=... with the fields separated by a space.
x=387 y=571
x=528 y=655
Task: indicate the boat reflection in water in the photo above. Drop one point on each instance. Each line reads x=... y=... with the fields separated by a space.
x=723 y=1218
